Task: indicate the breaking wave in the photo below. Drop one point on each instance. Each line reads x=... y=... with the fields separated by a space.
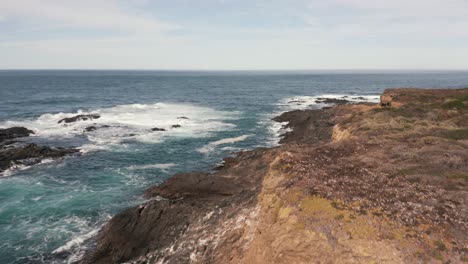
x=147 y=123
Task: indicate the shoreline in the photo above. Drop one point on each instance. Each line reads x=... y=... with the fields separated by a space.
x=358 y=201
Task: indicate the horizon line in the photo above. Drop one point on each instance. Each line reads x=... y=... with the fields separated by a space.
x=228 y=70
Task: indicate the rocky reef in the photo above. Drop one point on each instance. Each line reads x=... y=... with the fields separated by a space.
x=14 y=152
x=353 y=183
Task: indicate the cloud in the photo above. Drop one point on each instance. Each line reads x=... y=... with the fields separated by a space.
x=398 y=19
x=83 y=14
x=233 y=34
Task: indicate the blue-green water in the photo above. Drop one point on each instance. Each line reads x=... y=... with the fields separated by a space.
x=47 y=210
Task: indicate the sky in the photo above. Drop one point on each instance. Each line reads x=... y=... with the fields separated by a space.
x=234 y=34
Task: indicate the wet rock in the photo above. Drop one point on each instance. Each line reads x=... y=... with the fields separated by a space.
x=176 y=126
x=298 y=102
x=79 y=118
x=14 y=132
x=90 y=128
x=182 y=117
x=158 y=129
x=30 y=154
x=332 y=101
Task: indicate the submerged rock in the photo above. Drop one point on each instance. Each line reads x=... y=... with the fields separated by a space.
x=79 y=118
x=176 y=126
x=14 y=132
x=182 y=117
x=158 y=129
x=90 y=128
x=94 y=127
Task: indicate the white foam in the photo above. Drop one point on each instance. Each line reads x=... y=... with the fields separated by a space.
x=161 y=166
x=305 y=102
x=132 y=122
x=276 y=129
x=76 y=241
x=10 y=171
x=212 y=145
x=21 y=167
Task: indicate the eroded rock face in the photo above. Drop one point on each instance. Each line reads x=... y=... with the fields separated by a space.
x=79 y=118
x=14 y=132
x=170 y=230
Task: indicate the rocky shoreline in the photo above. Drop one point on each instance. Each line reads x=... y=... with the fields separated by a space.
x=14 y=152
x=377 y=183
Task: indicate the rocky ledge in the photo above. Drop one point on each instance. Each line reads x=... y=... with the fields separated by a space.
x=361 y=183
x=14 y=152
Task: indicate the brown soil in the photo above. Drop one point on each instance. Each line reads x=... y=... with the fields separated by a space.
x=350 y=184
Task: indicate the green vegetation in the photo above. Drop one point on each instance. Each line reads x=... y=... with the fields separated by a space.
x=456 y=134
x=457 y=103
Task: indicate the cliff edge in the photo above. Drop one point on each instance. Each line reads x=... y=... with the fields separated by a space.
x=354 y=183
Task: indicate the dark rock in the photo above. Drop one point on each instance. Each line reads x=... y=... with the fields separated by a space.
x=182 y=117
x=158 y=129
x=14 y=132
x=189 y=197
x=309 y=126
x=332 y=101
x=90 y=128
x=176 y=126
x=30 y=154
x=297 y=101
x=94 y=127
x=79 y=118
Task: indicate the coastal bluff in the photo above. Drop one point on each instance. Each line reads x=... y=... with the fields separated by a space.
x=352 y=183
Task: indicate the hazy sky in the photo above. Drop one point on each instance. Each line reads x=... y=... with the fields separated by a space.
x=234 y=34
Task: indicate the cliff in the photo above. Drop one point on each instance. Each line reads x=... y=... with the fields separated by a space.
x=354 y=183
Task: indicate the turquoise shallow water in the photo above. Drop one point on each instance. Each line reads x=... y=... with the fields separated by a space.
x=48 y=210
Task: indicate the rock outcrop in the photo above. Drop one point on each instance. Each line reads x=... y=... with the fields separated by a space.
x=14 y=132
x=354 y=183
x=158 y=129
x=29 y=154
x=334 y=101
x=14 y=153
x=79 y=118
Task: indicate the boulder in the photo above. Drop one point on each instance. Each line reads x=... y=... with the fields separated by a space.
x=79 y=118
x=385 y=100
x=176 y=126
x=14 y=132
x=158 y=129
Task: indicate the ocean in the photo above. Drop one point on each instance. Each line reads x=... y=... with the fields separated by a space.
x=49 y=210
